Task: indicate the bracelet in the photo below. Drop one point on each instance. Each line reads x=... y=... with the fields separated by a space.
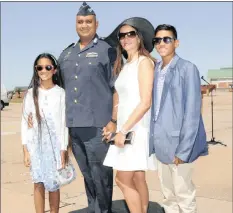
x=114 y=121
x=123 y=132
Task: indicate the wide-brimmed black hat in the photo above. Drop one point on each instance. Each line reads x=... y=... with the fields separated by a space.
x=142 y=25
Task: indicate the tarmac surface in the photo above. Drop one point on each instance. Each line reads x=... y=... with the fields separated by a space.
x=212 y=174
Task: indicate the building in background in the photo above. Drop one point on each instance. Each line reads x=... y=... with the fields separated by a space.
x=222 y=77
x=19 y=91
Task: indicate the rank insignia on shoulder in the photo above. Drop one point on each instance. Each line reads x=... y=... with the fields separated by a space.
x=69 y=46
x=91 y=55
x=95 y=41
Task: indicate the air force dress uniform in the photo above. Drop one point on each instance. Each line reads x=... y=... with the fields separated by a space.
x=88 y=80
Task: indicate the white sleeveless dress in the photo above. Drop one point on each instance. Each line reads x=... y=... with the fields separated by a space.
x=135 y=156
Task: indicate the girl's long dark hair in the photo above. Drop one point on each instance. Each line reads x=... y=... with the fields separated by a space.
x=141 y=51
x=35 y=81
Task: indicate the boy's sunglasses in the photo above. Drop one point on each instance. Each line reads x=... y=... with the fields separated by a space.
x=166 y=40
x=131 y=34
x=47 y=67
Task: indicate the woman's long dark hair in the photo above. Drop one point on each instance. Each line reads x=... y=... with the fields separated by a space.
x=141 y=51
x=35 y=81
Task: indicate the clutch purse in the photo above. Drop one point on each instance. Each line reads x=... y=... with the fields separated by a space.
x=66 y=175
x=128 y=138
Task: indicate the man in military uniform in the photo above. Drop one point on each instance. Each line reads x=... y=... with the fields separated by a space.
x=86 y=69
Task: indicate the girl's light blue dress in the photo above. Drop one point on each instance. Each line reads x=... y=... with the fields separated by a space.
x=44 y=144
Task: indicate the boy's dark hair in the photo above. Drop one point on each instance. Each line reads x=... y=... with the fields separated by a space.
x=168 y=28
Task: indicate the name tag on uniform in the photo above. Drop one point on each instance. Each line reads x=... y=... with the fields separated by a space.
x=91 y=55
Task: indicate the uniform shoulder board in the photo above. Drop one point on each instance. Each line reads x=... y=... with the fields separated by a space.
x=69 y=46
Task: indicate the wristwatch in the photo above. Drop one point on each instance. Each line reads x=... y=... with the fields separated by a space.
x=114 y=121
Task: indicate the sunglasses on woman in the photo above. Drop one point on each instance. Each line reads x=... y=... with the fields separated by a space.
x=47 y=67
x=166 y=40
x=131 y=34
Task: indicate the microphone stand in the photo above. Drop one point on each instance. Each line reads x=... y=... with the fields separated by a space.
x=212 y=141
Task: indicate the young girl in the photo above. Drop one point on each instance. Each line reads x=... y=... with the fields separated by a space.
x=45 y=144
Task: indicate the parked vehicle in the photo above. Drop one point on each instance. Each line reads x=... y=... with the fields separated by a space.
x=4 y=98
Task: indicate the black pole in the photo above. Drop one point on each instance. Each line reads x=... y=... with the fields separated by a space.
x=212 y=141
x=212 y=111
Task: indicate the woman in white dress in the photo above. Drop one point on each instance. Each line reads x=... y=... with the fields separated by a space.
x=134 y=87
x=45 y=144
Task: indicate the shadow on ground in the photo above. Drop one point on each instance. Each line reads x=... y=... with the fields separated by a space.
x=119 y=206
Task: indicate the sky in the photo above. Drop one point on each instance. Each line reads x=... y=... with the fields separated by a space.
x=30 y=28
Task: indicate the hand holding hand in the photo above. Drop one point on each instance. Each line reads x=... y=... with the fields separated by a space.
x=107 y=130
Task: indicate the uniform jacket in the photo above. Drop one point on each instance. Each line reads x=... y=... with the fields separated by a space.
x=88 y=81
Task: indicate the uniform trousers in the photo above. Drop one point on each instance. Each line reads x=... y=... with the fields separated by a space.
x=177 y=187
x=89 y=152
